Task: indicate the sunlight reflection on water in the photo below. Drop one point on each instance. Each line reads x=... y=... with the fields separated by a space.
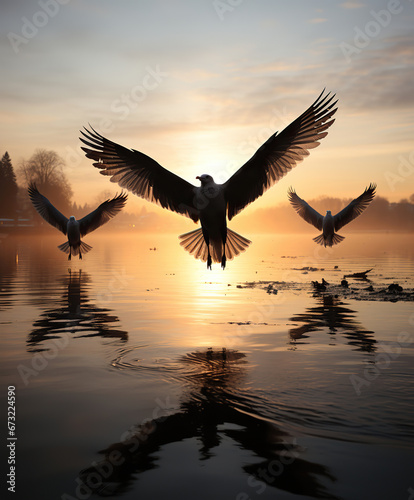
x=222 y=367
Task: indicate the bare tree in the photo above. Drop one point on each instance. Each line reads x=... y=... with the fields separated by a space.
x=45 y=168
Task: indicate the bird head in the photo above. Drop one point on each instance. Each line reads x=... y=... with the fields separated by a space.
x=72 y=218
x=205 y=179
x=328 y=212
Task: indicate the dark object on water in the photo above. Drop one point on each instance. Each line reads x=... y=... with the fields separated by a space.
x=319 y=286
x=362 y=275
x=369 y=288
x=324 y=282
x=395 y=288
x=344 y=283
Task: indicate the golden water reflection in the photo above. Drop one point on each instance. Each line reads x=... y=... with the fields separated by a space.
x=243 y=399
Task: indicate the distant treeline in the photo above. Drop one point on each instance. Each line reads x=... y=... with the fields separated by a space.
x=46 y=169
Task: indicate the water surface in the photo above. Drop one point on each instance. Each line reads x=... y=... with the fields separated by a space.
x=140 y=374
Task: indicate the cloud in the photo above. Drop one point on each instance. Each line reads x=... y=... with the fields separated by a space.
x=382 y=75
x=318 y=20
x=352 y=5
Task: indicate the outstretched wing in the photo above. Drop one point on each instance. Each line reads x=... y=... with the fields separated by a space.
x=102 y=214
x=305 y=210
x=46 y=210
x=355 y=208
x=279 y=154
x=140 y=174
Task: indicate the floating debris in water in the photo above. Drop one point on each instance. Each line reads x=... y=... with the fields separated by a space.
x=344 y=289
x=307 y=269
x=318 y=286
x=270 y=289
x=362 y=275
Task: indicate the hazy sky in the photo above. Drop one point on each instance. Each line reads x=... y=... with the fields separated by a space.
x=199 y=85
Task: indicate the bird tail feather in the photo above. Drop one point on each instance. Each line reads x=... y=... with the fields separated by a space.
x=320 y=240
x=235 y=244
x=195 y=244
x=337 y=238
x=64 y=247
x=84 y=248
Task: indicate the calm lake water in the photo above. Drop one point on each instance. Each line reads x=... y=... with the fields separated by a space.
x=139 y=374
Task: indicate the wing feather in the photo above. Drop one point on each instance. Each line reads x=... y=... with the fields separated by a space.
x=279 y=154
x=303 y=208
x=355 y=208
x=102 y=214
x=140 y=174
x=46 y=210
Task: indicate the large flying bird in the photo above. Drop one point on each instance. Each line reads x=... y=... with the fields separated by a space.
x=71 y=227
x=210 y=202
x=329 y=223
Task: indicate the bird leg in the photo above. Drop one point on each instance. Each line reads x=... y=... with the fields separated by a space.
x=207 y=241
x=80 y=254
x=70 y=255
x=224 y=238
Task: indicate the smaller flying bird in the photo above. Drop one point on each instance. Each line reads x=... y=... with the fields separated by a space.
x=71 y=227
x=329 y=223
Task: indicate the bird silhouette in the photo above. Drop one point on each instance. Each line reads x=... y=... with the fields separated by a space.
x=329 y=223
x=72 y=228
x=211 y=202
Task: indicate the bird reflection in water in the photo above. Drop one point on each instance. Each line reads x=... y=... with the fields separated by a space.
x=74 y=314
x=213 y=409
x=332 y=314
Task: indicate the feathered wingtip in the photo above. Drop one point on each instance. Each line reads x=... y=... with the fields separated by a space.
x=100 y=149
x=324 y=109
x=116 y=204
x=371 y=191
x=31 y=188
x=32 y=191
x=291 y=194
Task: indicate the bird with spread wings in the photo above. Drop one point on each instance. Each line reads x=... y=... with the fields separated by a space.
x=71 y=227
x=329 y=223
x=212 y=203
